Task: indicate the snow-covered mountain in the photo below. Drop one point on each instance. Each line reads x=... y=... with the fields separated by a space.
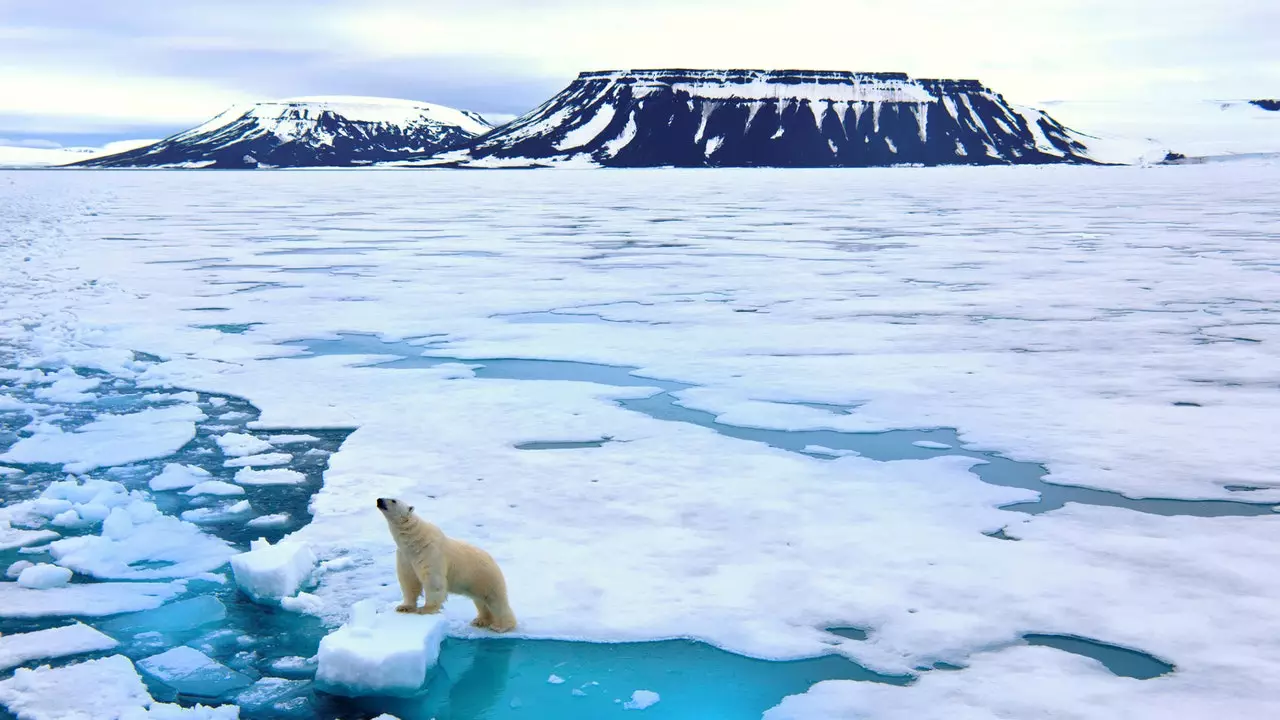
x=309 y=132
x=21 y=156
x=788 y=118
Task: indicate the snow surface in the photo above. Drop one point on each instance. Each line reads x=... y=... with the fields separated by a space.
x=13 y=156
x=44 y=576
x=380 y=652
x=1116 y=324
x=274 y=476
x=110 y=439
x=63 y=693
x=88 y=600
x=176 y=476
x=270 y=572
x=74 y=639
x=1195 y=128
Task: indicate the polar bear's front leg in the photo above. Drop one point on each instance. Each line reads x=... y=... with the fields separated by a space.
x=410 y=586
x=432 y=572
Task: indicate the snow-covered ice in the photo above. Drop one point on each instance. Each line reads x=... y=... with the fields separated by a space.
x=262 y=460
x=241 y=444
x=74 y=639
x=931 y=445
x=191 y=672
x=214 y=487
x=11 y=537
x=273 y=476
x=273 y=520
x=110 y=439
x=380 y=653
x=271 y=572
x=175 y=476
x=641 y=699
x=44 y=576
x=104 y=688
x=87 y=600
x=1117 y=325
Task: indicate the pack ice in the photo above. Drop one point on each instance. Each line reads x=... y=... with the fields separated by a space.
x=380 y=653
x=271 y=572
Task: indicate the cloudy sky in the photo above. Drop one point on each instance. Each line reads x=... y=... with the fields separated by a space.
x=90 y=71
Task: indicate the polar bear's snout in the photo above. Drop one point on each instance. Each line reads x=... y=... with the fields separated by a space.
x=382 y=503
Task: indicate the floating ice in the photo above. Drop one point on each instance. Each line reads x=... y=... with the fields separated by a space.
x=555 y=680
x=16 y=569
x=274 y=476
x=87 y=600
x=263 y=460
x=14 y=472
x=139 y=543
x=274 y=520
x=641 y=699
x=110 y=440
x=183 y=615
x=58 y=642
x=294 y=665
x=44 y=577
x=190 y=672
x=240 y=444
x=215 y=487
x=217 y=514
x=379 y=653
x=175 y=476
x=186 y=396
x=271 y=572
x=169 y=711
x=304 y=603
x=931 y=444
x=263 y=694
x=291 y=439
x=69 y=388
x=76 y=692
x=11 y=537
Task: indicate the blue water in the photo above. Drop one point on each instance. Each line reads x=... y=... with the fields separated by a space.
x=486 y=678
x=892 y=445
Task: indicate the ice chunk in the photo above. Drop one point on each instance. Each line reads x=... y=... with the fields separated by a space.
x=168 y=711
x=386 y=653
x=149 y=546
x=191 y=672
x=274 y=476
x=175 y=476
x=269 y=520
x=88 y=600
x=68 y=519
x=44 y=576
x=304 y=603
x=263 y=460
x=272 y=572
x=52 y=643
x=215 y=487
x=291 y=439
x=555 y=680
x=294 y=665
x=15 y=472
x=641 y=699
x=16 y=569
x=110 y=440
x=216 y=514
x=75 y=692
x=268 y=691
x=240 y=444
x=217 y=401
x=11 y=537
x=69 y=388
x=930 y=444
x=183 y=615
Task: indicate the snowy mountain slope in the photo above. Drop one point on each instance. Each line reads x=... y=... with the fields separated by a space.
x=309 y=132
x=12 y=156
x=1219 y=129
x=786 y=118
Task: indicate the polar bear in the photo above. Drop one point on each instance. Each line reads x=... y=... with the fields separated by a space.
x=427 y=561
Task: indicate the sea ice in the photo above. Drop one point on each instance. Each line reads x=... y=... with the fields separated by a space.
x=110 y=439
x=191 y=672
x=69 y=388
x=86 y=600
x=44 y=577
x=216 y=514
x=931 y=444
x=104 y=688
x=263 y=460
x=380 y=653
x=214 y=487
x=274 y=520
x=291 y=439
x=274 y=476
x=260 y=696
x=11 y=537
x=138 y=543
x=271 y=572
x=304 y=603
x=16 y=569
x=171 y=711
x=179 y=616
x=176 y=476
x=240 y=444
x=58 y=642
x=641 y=699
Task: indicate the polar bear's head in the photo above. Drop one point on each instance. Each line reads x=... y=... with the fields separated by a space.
x=394 y=509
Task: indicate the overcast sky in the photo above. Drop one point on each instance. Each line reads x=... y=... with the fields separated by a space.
x=76 y=71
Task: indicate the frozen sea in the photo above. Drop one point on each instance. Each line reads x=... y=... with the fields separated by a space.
x=887 y=443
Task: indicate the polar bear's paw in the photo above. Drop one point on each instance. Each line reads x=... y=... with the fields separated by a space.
x=406 y=608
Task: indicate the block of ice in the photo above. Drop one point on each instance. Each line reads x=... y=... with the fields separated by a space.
x=304 y=603
x=263 y=460
x=216 y=514
x=175 y=476
x=275 y=520
x=110 y=440
x=148 y=545
x=931 y=445
x=169 y=711
x=44 y=576
x=190 y=672
x=88 y=600
x=379 y=653
x=215 y=487
x=259 y=697
x=11 y=537
x=16 y=569
x=274 y=476
x=291 y=439
x=75 y=692
x=294 y=665
x=641 y=699
x=241 y=444
x=271 y=572
x=186 y=614
x=68 y=519
x=52 y=643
